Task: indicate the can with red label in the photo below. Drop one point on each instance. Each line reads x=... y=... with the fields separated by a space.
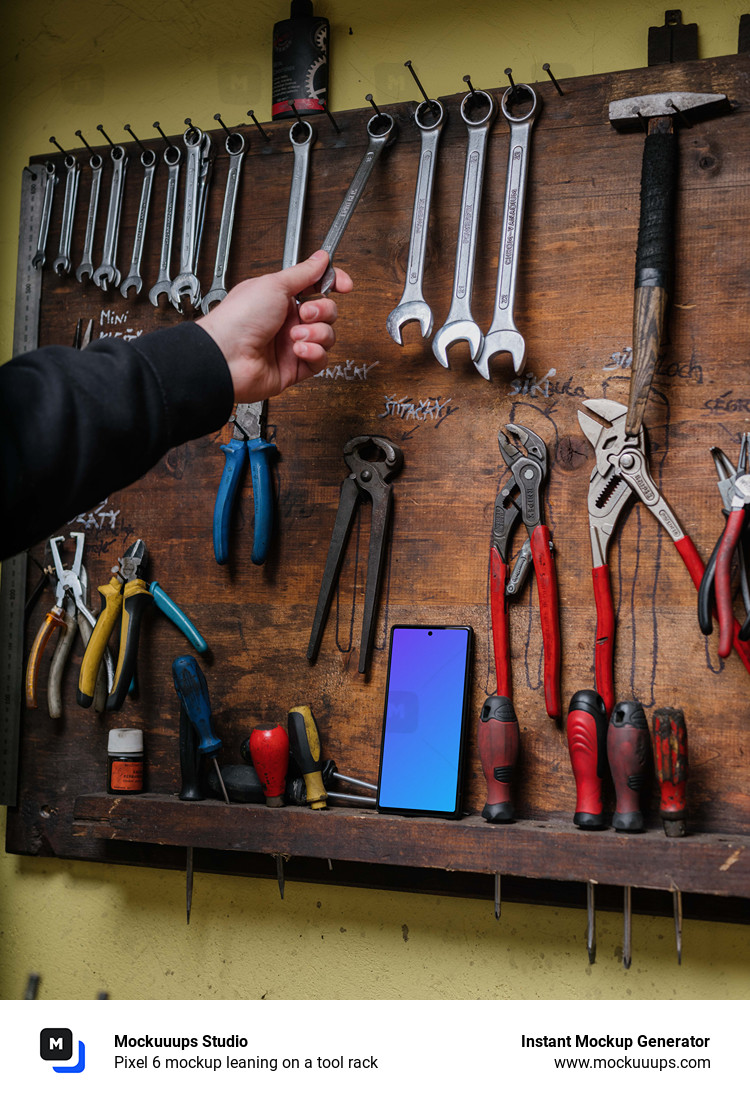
x=125 y=761
x=300 y=62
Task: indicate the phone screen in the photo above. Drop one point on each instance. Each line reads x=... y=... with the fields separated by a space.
x=423 y=725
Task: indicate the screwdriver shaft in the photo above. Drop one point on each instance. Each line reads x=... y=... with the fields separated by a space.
x=280 y=874
x=221 y=781
x=626 y=944
x=189 y=881
x=590 y=922
x=677 y=907
x=498 y=899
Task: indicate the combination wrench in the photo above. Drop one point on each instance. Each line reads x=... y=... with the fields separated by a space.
x=163 y=284
x=198 y=163
x=235 y=147
x=148 y=160
x=50 y=183
x=107 y=274
x=429 y=117
x=298 y=191
x=459 y=324
x=378 y=142
x=86 y=266
x=503 y=335
x=61 y=266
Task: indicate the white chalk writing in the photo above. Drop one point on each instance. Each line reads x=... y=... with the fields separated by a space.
x=428 y=408
x=349 y=371
x=99 y=518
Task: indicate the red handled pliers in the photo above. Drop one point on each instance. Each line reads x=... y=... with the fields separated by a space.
x=735 y=530
x=528 y=473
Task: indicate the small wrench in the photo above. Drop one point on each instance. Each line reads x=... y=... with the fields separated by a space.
x=61 y=266
x=50 y=182
x=378 y=142
x=86 y=266
x=107 y=275
x=186 y=285
x=459 y=324
x=235 y=147
x=148 y=160
x=503 y=335
x=298 y=191
x=412 y=306
x=163 y=284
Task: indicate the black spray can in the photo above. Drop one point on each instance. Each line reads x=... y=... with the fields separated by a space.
x=300 y=62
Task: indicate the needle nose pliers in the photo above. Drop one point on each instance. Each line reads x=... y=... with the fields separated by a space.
x=528 y=472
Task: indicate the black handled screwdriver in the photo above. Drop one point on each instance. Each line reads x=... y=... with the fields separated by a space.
x=190 y=791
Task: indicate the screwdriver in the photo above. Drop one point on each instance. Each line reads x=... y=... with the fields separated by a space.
x=627 y=750
x=304 y=745
x=192 y=689
x=587 y=744
x=190 y=791
x=497 y=738
x=671 y=761
x=269 y=749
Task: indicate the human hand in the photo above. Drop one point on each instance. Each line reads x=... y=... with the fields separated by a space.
x=268 y=340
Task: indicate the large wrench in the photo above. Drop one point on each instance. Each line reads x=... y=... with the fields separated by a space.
x=50 y=183
x=61 y=266
x=186 y=285
x=148 y=160
x=503 y=335
x=298 y=191
x=382 y=131
x=412 y=306
x=235 y=147
x=163 y=284
x=86 y=266
x=459 y=324
x=107 y=274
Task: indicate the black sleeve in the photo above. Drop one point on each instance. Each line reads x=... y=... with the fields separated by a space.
x=76 y=426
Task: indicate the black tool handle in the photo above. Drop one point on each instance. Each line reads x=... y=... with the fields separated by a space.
x=497 y=737
x=587 y=744
x=137 y=600
x=190 y=784
x=653 y=263
x=305 y=748
x=628 y=753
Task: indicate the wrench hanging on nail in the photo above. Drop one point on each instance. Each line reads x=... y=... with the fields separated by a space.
x=61 y=266
x=235 y=147
x=503 y=335
x=459 y=324
x=163 y=284
x=429 y=118
x=148 y=160
x=86 y=266
x=107 y=274
x=198 y=166
x=50 y=182
x=298 y=190
x=382 y=131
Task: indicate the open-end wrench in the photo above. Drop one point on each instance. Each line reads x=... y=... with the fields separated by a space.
x=163 y=284
x=381 y=129
x=107 y=274
x=50 y=182
x=503 y=335
x=186 y=284
x=302 y=136
x=86 y=266
x=61 y=266
x=429 y=117
x=459 y=324
x=235 y=147
x=148 y=160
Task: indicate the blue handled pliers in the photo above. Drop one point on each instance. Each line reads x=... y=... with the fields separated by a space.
x=247 y=443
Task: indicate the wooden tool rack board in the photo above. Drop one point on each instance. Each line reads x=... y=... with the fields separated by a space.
x=574 y=308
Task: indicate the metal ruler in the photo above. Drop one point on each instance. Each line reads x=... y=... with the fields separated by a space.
x=13 y=571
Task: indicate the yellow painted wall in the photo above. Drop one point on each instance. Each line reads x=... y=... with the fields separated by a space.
x=70 y=64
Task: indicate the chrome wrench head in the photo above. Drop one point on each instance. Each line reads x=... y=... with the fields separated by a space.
x=504 y=336
x=429 y=118
x=460 y=325
x=382 y=131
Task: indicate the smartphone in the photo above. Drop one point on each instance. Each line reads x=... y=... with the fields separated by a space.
x=424 y=721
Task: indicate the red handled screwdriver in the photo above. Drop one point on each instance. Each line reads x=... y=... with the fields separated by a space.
x=497 y=736
x=269 y=750
x=671 y=760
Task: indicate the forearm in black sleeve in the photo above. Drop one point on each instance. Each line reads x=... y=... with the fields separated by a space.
x=76 y=426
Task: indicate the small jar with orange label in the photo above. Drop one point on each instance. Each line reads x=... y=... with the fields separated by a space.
x=125 y=762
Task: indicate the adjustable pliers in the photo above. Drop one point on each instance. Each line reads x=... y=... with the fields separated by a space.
x=528 y=473
x=247 y=442
x=369 y=480
x=621 y=472
x=128 y=595
x=734 y=487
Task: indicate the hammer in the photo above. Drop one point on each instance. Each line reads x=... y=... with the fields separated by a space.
x=653 y=261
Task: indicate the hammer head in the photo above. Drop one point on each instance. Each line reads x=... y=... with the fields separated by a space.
x=628 y=114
